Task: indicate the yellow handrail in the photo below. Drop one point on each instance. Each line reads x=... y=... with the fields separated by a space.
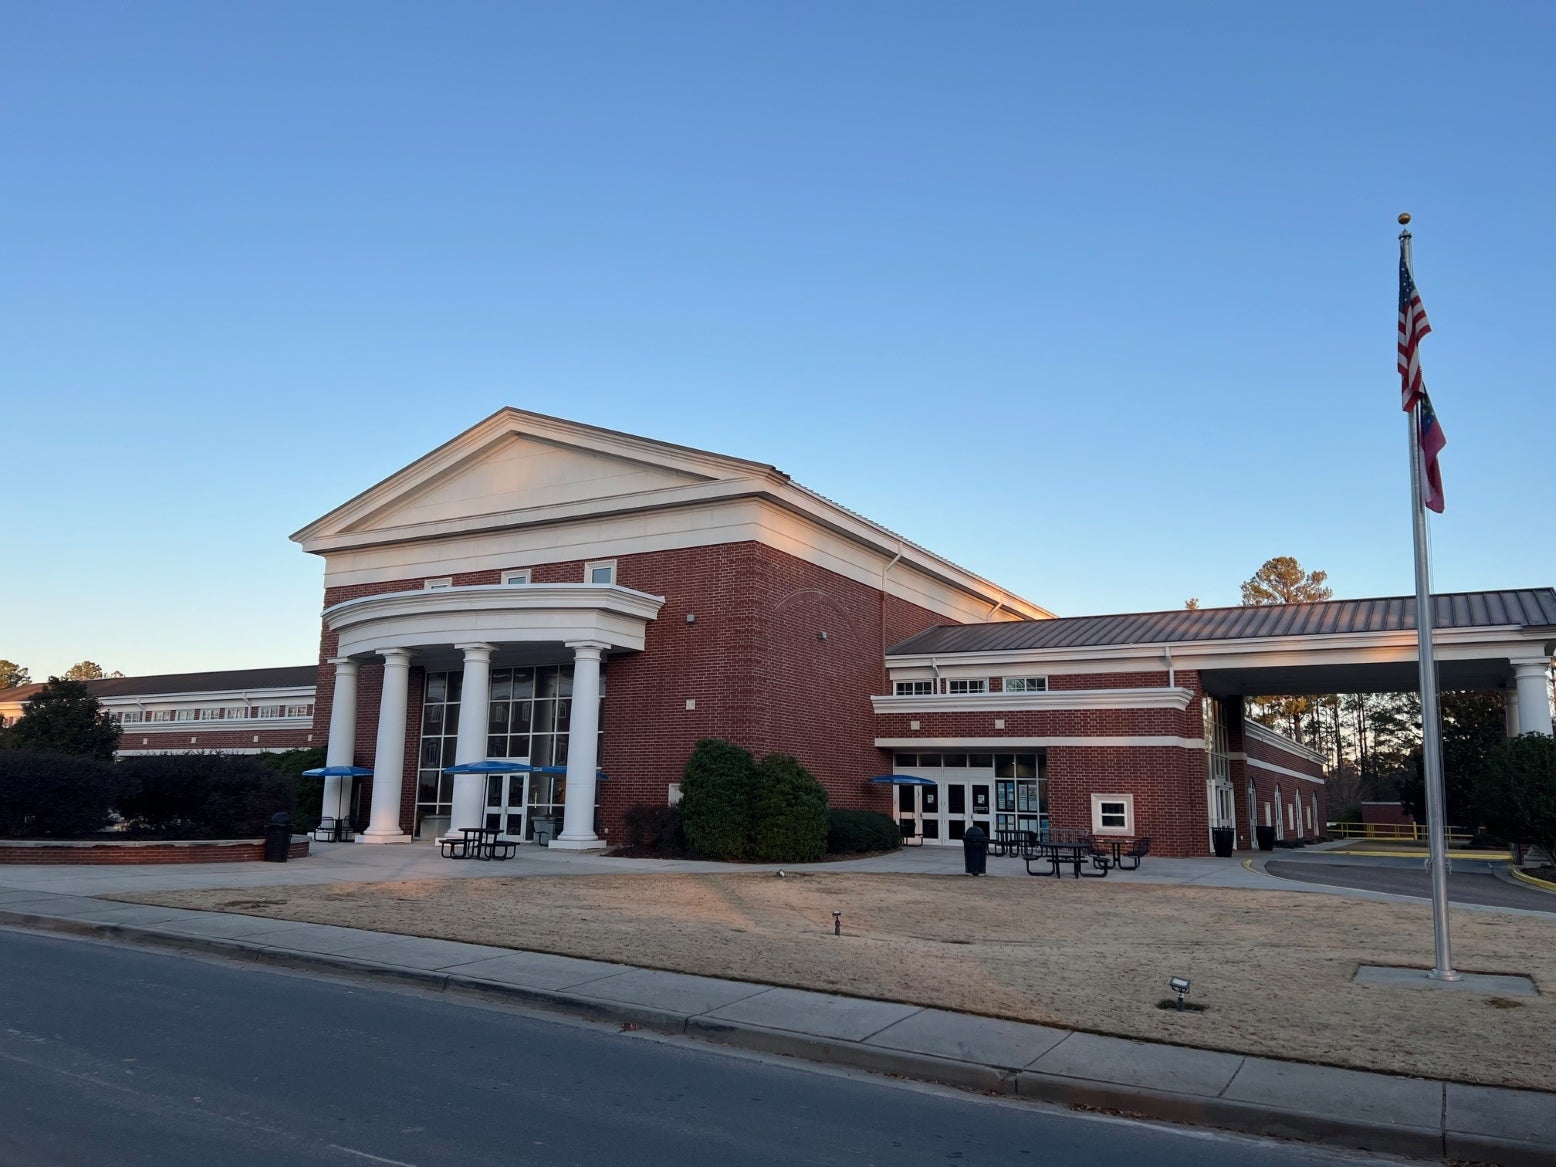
x=1399 y=832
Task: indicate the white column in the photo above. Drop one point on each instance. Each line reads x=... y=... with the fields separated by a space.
x=1510 y=709
x=1534 y=703
x=389 y=755
x=582 y=750
x=475 y=695
x=342 y=748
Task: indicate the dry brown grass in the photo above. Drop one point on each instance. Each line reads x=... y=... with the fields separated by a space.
x=1273 y=969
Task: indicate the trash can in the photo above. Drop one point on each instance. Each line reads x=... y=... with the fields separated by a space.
x=975 y=851
x=1265 y=837
x=547 y=827
x=278 y=837
x=1224 y=839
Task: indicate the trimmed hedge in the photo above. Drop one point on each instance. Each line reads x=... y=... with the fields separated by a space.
x=788 y=812
x=716 y=799
x=656 y=828
x=734 y=808
x=852 y=831
x=56 y=796
x=204 y=796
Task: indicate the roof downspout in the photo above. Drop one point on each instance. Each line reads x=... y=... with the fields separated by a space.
x=886 y=672
x=989 y=615
x=1172 y=675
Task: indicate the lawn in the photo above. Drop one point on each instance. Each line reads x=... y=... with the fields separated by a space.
x=1272 y=969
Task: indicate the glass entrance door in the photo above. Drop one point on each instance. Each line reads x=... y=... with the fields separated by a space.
x=507 y=802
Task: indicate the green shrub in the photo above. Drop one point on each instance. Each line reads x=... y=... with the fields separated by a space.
x=56 y=796
x=656 y=828
x=310 y=791
x=716 y=799
x=788 y=813
x=852 y=831
x=204 y=796
x=1518 y=791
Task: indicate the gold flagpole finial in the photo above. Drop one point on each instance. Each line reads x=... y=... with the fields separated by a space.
x=1404 y=219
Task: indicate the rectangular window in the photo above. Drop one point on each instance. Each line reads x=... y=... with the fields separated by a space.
x=270 y=711
x=600 y=571
x=299 y=710
x=913 y=688
x=187 y=715
x=437 y=585
x=978 y=686
x=161 y=715
x=516 y=578
x=1026 y=684
x=1113 y=814
x=130 y=715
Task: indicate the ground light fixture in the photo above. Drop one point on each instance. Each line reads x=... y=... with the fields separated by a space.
x=1179 y=985
x=837 y=923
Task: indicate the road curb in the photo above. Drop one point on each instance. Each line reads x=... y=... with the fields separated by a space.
x=1073 y=1093
x=1524 y=877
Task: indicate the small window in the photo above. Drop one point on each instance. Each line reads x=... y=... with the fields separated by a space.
x=187 y=715
x=1026 y=684
x=913 y=688
x=904 y=760
x=438 y=585
x=1113 y=814
x=601 y=571
x=978 y=686
x=516 y=578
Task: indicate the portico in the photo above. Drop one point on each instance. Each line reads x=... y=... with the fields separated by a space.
x=459 y=632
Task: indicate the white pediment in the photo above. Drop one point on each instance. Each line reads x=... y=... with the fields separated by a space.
x=516 y=473
x=515 y=468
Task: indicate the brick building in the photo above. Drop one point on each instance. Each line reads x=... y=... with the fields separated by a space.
x=591 y=603
x=233 y=711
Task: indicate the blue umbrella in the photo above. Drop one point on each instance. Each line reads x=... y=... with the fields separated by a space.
x=599 y=775
x=488 y=766
x=339 y=772
x=904 y=780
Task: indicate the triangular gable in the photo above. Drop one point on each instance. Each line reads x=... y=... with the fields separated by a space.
x=516 y=462
x=515 y=474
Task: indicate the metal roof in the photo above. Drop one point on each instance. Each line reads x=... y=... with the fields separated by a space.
x=1524 y=607
x=287 y=677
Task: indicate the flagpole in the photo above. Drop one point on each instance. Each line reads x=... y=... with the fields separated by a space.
x=1431 y=723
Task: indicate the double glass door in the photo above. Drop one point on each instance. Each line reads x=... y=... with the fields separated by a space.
x=942 y=813
x=507 y=802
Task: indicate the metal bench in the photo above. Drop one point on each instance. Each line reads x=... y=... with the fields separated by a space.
x=1129 y=858
x=1010 y=841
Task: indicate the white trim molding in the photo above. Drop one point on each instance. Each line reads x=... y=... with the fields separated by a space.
x=1002 y=744
x=1274 y=769
x=552 y=613
x=1260 y=732
x=1060 y=699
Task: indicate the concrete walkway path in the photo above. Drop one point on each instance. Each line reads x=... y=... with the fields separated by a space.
x=1376 y=1112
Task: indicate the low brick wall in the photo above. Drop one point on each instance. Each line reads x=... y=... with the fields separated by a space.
x=138 y=851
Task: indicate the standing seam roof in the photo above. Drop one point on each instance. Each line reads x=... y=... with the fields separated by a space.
x=1527 y=608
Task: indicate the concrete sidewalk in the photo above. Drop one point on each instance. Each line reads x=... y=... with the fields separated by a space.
x=1319 y=1104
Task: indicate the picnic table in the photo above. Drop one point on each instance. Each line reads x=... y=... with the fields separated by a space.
x=478 y=843
x=1077 y=855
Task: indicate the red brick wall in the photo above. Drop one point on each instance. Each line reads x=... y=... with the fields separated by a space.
x=1167 y=782
x=1265 y=783
x=146 y=853
x=752 y=661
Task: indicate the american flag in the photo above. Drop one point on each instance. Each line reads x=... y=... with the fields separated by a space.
x=1413 y=325
x=1430 y=443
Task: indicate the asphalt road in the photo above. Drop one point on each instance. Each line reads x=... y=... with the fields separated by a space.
x=117 y=1056
x=1463 y=887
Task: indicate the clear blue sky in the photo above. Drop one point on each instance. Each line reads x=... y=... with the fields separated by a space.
x=1097 y=300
